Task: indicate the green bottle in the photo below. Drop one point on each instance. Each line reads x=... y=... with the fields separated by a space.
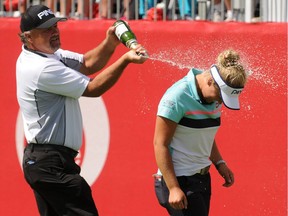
x=125 y=34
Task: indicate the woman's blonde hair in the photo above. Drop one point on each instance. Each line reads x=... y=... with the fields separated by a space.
x=230 y=68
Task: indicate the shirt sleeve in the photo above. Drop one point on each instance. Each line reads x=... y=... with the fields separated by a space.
x=171 y=107
x=57 y=78
x=70 y=59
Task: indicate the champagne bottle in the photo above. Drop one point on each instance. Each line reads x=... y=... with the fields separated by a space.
x=125 y=34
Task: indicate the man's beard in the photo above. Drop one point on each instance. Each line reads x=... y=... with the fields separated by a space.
x=55 y=43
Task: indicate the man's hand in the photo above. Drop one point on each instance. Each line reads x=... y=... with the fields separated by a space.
x=137 y=55
x=111 y=37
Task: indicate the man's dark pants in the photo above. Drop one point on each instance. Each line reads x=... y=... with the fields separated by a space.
x=53 y=175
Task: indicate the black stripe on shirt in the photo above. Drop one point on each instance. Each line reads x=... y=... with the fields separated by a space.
x=200 y=123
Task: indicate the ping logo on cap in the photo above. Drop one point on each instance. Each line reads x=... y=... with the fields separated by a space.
x=44 y=13
x=236 y=91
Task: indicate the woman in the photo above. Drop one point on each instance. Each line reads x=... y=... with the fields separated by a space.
x=184 y=142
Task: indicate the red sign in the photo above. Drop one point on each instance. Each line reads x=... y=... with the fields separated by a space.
x=117 y=157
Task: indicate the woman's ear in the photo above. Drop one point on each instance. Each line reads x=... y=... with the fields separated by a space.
x=210 y=81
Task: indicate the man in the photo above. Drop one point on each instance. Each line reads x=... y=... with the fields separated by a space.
x=184 y=142
x=49 y=83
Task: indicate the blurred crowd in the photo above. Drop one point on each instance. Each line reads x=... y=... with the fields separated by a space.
x=215 y=10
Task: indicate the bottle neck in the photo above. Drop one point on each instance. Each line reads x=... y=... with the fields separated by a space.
x=132 y=44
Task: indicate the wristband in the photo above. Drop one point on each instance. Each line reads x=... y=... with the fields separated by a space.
x=219 y=162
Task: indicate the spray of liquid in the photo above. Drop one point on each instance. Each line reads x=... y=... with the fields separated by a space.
x=184 y=61
x=170 y=62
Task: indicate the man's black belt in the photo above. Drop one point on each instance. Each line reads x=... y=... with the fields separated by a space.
x=52 y=147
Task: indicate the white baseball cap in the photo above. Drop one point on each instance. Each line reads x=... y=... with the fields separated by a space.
x=229 y=95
